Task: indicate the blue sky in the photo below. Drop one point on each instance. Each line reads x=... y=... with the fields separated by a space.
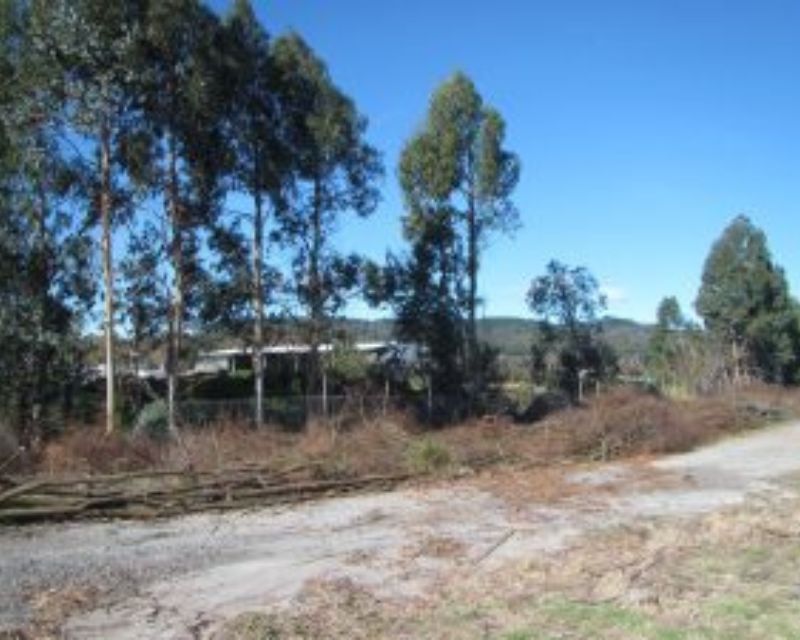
x=644 y=126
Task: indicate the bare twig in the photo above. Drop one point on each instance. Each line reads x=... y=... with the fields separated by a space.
x=499 y=543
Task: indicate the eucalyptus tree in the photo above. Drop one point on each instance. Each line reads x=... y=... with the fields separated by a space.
x=259 y=167
x=46 y=289
x=333 y=171
x=45 y=282
x=567 y=302
x=426 y=301
x=186 y=94
x=91 y=47
x=457 y=166
x=144 y=287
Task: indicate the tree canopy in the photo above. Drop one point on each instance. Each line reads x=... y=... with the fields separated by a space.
x=568 y=347
x=457 y=179
x=744 y=300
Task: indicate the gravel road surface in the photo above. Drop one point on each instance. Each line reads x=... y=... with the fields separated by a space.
x=181 y=578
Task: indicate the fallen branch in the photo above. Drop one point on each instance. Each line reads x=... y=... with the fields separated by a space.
x=168 y=494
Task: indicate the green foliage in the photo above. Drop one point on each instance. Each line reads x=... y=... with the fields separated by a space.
x=347 y=366
x=426 y=455
x=459 y=153
x=227 y=386
x=106 y=107
x=144 y=293
x=333 y=171
x=41 y=358
x=152 y=420
x=242 y=284
x=665 y=343
x=260 y=159
x=45 y=270
x=744 y=301
x=680 y=357
x=568 y=347
x=425 y=297
x=457 y=179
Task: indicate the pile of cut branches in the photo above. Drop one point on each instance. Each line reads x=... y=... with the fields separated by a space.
x=167 y=493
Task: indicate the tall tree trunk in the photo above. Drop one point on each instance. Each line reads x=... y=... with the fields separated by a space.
x=315 y=289
x=40 y=282
x=472 y=299
x=177 y=303
x=258 y=304
x=108 y=273
x=736 y=355
x=438 y=376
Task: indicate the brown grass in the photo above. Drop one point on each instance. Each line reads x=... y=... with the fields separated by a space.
x=625 y=422
x=90 y=450
x=618 y=423
x=375 y=447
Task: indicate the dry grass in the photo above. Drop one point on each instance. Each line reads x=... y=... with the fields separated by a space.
x=731 y=575
x=625 y=422
x=622 y=423
x=90 y=450
x=433 y=546
x=375 y=447
x=50 y=609
x=618 y=424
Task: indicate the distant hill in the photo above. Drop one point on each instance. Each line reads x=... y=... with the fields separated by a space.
x=628 y=337
x=512 y=336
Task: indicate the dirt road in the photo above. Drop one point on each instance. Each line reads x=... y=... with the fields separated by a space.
x=182 y=578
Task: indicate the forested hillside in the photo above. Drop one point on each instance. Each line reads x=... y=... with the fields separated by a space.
x=512 y=336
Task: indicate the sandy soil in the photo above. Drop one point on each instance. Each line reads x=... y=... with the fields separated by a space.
x=185 y=577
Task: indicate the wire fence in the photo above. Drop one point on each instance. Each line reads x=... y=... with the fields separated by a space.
x=291 y=412
x=294 y=412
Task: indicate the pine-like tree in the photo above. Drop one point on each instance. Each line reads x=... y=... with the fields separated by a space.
x=744 y=301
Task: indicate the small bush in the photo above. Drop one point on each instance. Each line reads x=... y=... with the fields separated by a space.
x=428 y=456
x=153 y=421
x=542 y=405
